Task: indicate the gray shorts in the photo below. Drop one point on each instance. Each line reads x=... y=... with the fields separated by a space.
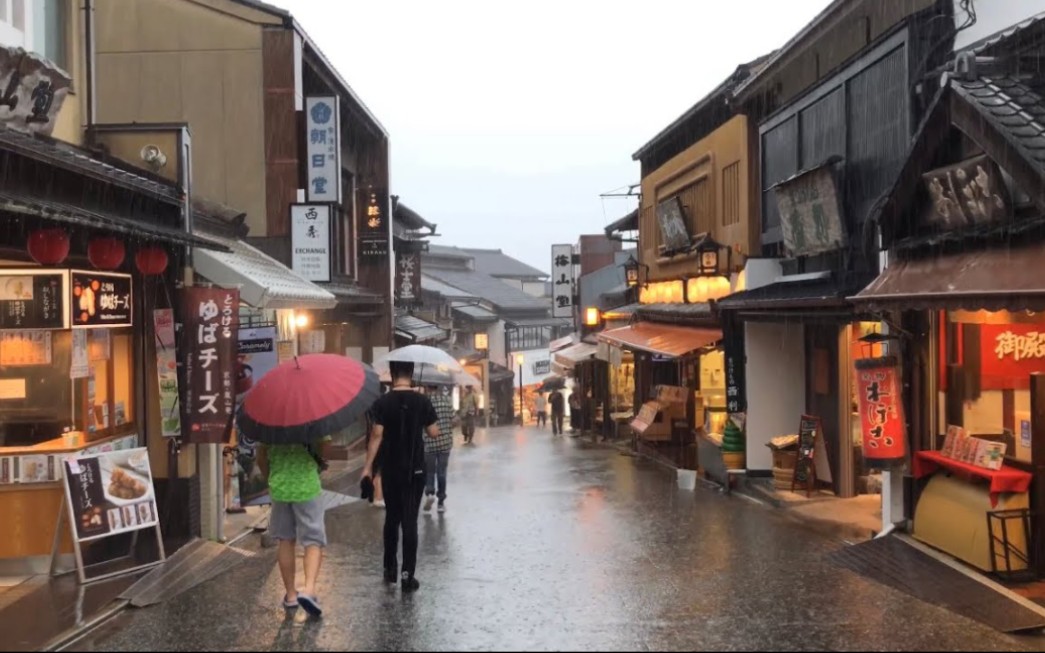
x=303 y=522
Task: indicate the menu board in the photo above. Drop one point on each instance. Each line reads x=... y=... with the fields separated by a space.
x=37 y=468
x=25 y=348
x=110 y=493
x=33 y=299
x=101 y=299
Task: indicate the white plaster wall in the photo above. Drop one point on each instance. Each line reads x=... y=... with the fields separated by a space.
x=776 y=396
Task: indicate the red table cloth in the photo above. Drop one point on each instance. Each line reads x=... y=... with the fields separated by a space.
x=1006 y=479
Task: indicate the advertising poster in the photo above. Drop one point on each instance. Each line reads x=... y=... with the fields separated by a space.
x=81 y=366
x=167 y=372
x=110 y=493
x=101 y=299
x=33 y=300
x=257 y=357
x=211 y=319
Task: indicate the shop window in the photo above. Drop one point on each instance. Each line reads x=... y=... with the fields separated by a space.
x=986 y=365
x=731 y=194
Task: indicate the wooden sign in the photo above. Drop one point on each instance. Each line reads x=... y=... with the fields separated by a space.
x=810 y=433
x=810 y=212
x=672 y=221
x=968 y=193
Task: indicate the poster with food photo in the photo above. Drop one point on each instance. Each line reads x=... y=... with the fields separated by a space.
x=110 y=493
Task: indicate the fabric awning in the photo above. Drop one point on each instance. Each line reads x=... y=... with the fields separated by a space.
x=417 y=330
x=1011 y=278
x=570 y=356
x=263 y=281
x=661 y=339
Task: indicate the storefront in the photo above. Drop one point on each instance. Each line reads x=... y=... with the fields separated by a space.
x=80 y=272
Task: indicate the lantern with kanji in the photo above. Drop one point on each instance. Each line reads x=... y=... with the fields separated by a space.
x=106 y=253
x=882 y=419
x=48 y=246
x=151 y=260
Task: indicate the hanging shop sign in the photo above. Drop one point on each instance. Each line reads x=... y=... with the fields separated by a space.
x=323 y=148
x=211 y=325
x=101 y=299
x=310 y=241
x=167 y=372
x=810 y=212
x=736 y=386
x=32 y=91
x=408 y=278
x=1009 y=354
x=542 y=367
x=671 y=218
x=881 y=411
x=373 y=226
x=34 y=299
x=966 y=194
x=562 y=281
x=257 y=356
x=109 y=494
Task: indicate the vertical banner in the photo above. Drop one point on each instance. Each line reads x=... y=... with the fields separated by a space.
x=167 y=371
x=371 y=225
x=408 y=279
x=881 y=411
x=257 y=356
x=736 y=380
x=562 y=281
x=211 y=324
x=323 y=146
x=310 y=241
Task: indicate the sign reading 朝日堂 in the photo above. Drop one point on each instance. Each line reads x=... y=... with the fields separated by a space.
x=323 y=148
x=211 y=325
x=562 y=280
x=310 y=241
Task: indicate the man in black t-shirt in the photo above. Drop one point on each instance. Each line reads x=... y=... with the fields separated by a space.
x=558 y=405
x=401 y=420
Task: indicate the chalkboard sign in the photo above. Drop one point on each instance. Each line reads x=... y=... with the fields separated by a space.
x=33 y=299
x=672 y=221
x=810 y=432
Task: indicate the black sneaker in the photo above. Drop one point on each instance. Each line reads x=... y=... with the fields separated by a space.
x=410 y=584
x=391 y=575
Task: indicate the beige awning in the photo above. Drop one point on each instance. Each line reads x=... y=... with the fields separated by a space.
x=662 y=339
x=570 y=356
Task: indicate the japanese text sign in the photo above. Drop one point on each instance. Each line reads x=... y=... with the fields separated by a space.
x=562 y=280
x=672 y=221
x=965 y=194
x=110 y=493
x=211 y=325
x=32 y=91
x=1009 y=354
x=810 y=213
x=882 y=420
x=101 y=299
x=310 y=241
x=323 y=148
x=34 y=299
x=408 y=279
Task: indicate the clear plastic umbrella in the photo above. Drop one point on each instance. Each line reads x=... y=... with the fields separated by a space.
x=427 y=361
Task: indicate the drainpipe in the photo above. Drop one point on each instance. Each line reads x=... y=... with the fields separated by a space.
x=89 y=62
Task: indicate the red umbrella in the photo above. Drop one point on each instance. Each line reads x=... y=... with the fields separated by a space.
x=308 y=398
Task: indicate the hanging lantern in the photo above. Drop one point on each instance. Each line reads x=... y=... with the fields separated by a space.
x=106 y=253
x=48 y=246
x=151 y=261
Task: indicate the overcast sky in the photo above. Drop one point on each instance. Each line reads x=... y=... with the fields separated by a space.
x=507 y=124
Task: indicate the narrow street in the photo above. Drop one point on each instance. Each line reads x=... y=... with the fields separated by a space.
x=550 y=544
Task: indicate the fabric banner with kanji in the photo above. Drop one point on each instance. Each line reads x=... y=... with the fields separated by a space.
x=881 y=411
x=211 y=333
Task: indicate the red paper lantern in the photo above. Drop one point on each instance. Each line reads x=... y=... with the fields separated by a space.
x=106 y=253
x=151 y=261
x=48 y=246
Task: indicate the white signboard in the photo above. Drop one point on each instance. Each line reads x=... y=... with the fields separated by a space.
x=323 y=141
x=562 y=280
x=109 y=493
x=310 y=241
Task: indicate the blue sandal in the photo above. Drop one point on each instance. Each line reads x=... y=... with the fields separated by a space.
x=310 y=604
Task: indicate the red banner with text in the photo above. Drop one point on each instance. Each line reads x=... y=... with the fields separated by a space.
x=881 y=411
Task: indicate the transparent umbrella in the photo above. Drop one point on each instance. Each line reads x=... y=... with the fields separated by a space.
x=427 y=361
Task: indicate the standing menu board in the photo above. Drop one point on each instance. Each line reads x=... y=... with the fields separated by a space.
x=110 y=493
x=34 y=299
x=810 y=431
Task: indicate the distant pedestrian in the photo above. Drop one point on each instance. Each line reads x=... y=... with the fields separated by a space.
x=469 y=409
x=378 y=500
x=437 y=450
x=558 y=405
x=542 y=410
x=402 y=418
x=575 y=412
x=297 y=516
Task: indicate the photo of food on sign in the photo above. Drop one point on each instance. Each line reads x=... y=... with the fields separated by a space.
x=101 y=300
x=110 y=493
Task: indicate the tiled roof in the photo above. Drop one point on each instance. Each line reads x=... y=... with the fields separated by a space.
x=447 y=251
x=476 y=313
x=485 y=287
x=1014 y=107
x=1006 y=36
x=792 y=294
x=496 y=263
x=419 y=330
x=446 y=290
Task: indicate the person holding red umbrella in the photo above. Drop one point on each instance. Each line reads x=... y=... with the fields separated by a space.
x=402 y=418
x=291 y=412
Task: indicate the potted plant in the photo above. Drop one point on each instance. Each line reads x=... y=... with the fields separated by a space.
x=733 y=446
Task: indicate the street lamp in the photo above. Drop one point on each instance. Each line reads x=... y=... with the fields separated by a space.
x=519 y=359
x=482 y=344
x=592 y=317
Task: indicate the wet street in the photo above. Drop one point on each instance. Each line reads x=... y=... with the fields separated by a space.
x=549 y=544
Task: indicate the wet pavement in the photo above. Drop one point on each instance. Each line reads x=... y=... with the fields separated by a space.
x=554 y=545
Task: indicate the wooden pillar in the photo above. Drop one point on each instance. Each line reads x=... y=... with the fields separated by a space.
x=1037 y=496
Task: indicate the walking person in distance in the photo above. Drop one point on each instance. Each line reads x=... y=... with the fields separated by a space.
x=402 y=418
x=558 y=405
x=541 y=404
x=437 y=450
x=469 y=409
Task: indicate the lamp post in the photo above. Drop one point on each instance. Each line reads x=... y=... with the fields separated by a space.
x=482 y=343
x=519 y=359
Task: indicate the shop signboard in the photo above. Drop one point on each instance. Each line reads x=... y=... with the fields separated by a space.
x=966 y=194
x=101 y=299
x=310 y=241
x=373 y=226
x=323 y=147
x=32 y=91
x=408 y=279
x=34 y=299
x=211 y=326
x=672 y=222
x=542 y=367
x=1009 y=354
x=562 y=281
x=109 y=493
x=810 y=212
x=167 y=372
x=25 y=348
x=257 y=357
x=736 y=389
x=882 y=420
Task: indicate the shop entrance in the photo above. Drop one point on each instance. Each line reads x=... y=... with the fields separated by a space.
x=823 y=398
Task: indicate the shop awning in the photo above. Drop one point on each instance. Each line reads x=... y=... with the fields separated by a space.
x=562 y=343
x=1011 y=278
x=13 y=202
x=417 y=330
x=661 y=339
x=570 y=356
x=263 y=281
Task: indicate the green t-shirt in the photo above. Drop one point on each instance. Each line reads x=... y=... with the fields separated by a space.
x=293 y=474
